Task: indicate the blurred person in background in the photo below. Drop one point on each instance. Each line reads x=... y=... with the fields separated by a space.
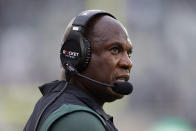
x=96 y=66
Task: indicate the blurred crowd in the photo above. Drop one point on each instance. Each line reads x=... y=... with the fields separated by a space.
x=163 y=33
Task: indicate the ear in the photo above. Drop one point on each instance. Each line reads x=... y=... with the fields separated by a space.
x=62 y=74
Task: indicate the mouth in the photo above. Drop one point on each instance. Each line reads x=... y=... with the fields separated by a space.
x=122 y=78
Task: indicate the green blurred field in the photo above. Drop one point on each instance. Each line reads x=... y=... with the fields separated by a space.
x=16 y=104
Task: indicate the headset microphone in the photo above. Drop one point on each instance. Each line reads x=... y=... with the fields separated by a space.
x=124 y=88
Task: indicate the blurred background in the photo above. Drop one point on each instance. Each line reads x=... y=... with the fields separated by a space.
x=163 y=33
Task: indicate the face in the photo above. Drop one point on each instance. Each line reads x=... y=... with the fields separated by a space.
x=110 y=61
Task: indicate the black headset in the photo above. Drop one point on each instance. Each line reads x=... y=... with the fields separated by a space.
x=76 y=50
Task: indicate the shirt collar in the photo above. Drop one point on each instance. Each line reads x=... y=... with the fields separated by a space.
x=56 y=86
x=90 y=102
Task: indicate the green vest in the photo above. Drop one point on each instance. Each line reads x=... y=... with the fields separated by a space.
x=70 y=109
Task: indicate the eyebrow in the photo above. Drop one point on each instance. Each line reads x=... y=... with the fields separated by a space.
x=130 y=50
x=117 y=44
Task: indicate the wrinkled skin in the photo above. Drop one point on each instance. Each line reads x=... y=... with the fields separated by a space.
x=110 y=60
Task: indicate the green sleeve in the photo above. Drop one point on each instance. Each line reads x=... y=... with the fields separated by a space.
x=78 y=121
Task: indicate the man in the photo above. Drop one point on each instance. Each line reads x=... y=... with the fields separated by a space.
x=77 y=105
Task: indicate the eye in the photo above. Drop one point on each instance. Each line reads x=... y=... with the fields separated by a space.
x=115 y=50
x=129 y=53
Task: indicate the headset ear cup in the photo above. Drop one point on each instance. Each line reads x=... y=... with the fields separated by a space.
x=71 y=52
x=86 y=55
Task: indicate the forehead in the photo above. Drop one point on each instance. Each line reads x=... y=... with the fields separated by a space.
x=108 y=30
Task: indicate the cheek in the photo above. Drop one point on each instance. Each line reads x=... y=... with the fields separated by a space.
x=105 y=67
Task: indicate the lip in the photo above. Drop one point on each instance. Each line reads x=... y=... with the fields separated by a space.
x=122 y=78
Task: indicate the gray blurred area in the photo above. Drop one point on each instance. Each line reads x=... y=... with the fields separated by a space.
x=163 y=33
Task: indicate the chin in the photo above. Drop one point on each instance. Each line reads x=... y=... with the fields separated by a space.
x=119 y=96
x=114 y=96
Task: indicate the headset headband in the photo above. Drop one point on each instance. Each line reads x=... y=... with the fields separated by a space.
x=83 y=18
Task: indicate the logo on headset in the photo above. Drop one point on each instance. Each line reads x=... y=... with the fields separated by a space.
x=70 y=54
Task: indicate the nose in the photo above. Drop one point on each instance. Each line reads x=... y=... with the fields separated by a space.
x=125 y=62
